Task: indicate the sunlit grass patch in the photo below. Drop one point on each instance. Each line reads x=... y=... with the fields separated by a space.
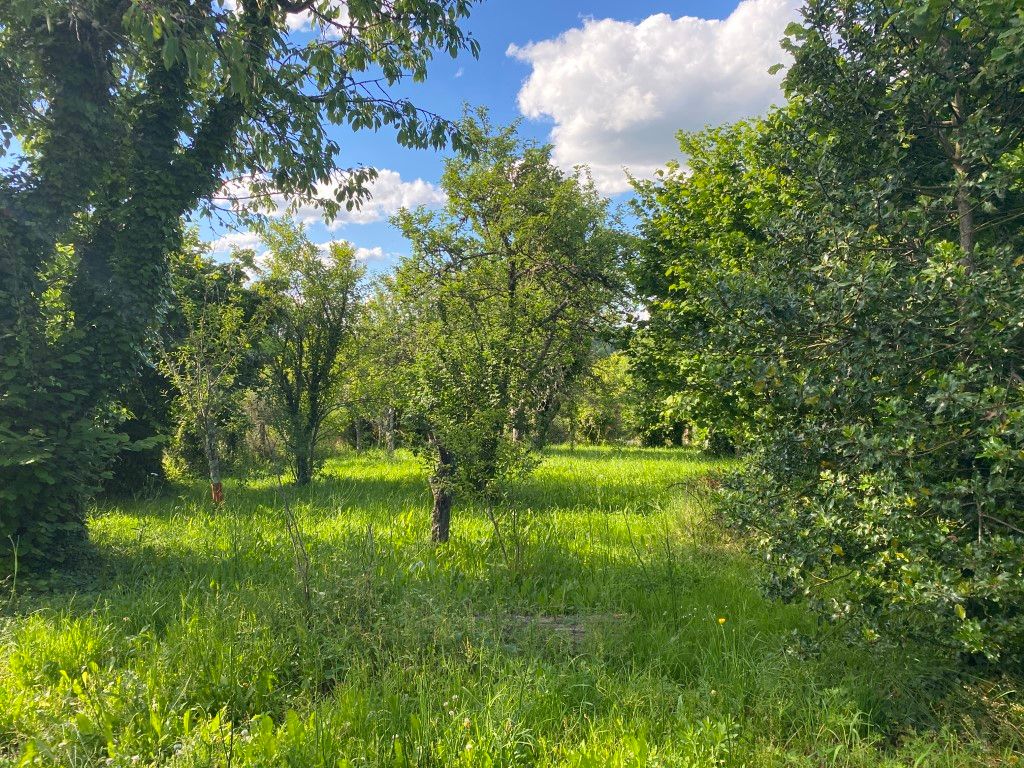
x=615 y=626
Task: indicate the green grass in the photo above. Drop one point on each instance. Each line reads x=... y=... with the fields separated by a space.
x=593 y=637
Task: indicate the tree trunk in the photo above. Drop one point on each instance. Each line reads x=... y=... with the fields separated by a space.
x=390 y=427
x=213 y=461
x=954 y=150
x=440 y=486
x=358 y=423
x=965 y=216
x=303 y=466
x=441 y=520
x=520 y=428
x=263 y=440
x=545 y=419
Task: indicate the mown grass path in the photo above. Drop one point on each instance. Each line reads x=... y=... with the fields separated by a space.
x=610 y=625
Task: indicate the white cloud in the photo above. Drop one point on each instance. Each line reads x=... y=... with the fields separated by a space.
x=388 y=194
x=373 y=254
x=224 y=245
x=229 y=242
x=618 y=91
x=335 y=11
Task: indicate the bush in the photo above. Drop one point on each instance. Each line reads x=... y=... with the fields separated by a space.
x=839 y=288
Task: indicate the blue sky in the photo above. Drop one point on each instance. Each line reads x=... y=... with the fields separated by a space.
x=608 y=83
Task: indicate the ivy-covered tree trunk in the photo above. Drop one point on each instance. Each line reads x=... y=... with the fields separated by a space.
x=441 y=488
x=81 y=292
x=303 y=459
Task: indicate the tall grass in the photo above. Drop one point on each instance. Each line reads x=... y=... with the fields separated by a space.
x=608 y=622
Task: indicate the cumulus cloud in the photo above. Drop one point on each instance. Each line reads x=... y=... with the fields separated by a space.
x=223 y=247
x=619 y=91
x=376 y=253
x=388 y=194
x=235 y=240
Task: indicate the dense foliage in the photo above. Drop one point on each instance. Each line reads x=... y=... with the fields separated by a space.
x=503 y=295
x=128 y=115
x=604 y=408
x=832 y=292
x=839 y=289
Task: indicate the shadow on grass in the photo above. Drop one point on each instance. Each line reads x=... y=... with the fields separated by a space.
x=331 y=493
x=664 y=601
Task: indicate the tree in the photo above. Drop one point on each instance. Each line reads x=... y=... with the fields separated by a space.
x=844 y=293
x=313 y=302
x=503 y=294
x=127 y=115
x=205 y=362
x=703 y=255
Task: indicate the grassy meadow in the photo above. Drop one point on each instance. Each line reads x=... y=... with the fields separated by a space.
x=612 y=623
